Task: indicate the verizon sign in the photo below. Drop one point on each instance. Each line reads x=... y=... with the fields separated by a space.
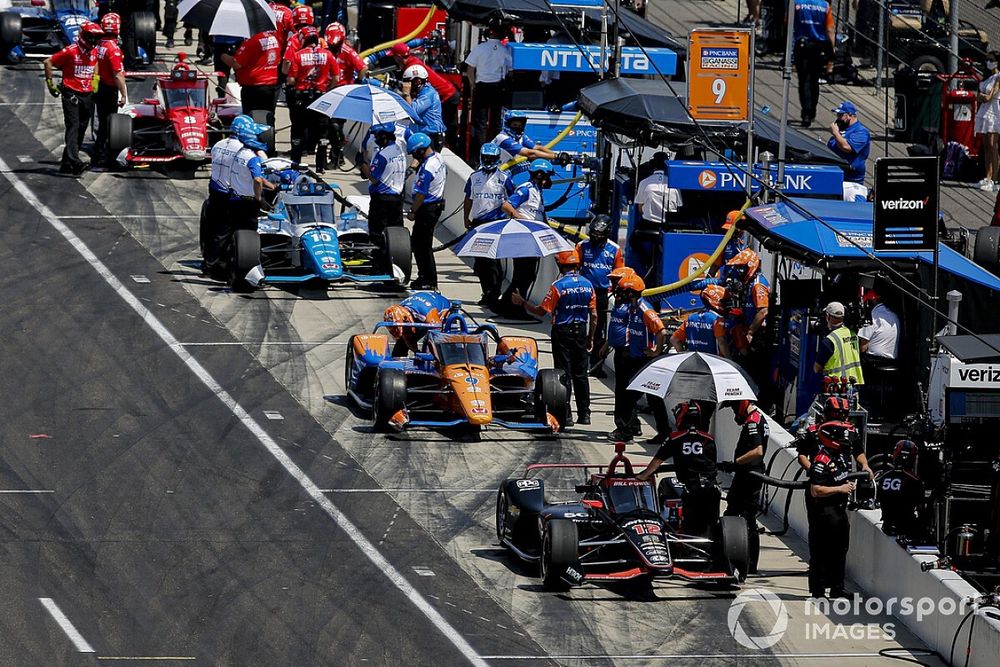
x=974 y=376
x=906 y=204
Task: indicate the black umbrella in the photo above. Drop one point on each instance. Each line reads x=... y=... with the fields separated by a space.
x=230 y=18
x=647 y=109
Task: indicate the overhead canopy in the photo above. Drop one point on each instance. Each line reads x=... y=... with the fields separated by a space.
x=973 y=349
x=844 y=239
x=649 y=109
x=543 y=13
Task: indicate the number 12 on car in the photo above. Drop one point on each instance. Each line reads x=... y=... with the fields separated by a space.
x=719 y=63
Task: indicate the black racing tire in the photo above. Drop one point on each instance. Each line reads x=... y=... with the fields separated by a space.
x=10 y=32
x=552 y=395
x=397 y=245
x=204 y=228
x=560 y=543
x=927 y=63
x=986 y=252
x=267 y=138
x=119 y=134
x=390 y=396
x=502 y=516
x=349 y=363
x=246 y=255
x=144 y=25
x=734 y=548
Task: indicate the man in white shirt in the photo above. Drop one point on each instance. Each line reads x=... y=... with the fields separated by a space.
x=486 y=68
x=654 y=200
x=880 y=338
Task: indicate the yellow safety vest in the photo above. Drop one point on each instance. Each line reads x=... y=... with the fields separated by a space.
x=846 y=358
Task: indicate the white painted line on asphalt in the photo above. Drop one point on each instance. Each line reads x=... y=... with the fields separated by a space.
x=238 y=411
x=74 y=635
x=401 y=490
x=146 y=657
x=24 y=158
x=697 y=656
x=266 y=343
x=26 y=491
x=148 y=216
x=424 y=571
x=273 y=415
x=142 y=280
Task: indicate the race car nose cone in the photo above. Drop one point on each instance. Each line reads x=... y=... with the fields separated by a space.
x=196 y=154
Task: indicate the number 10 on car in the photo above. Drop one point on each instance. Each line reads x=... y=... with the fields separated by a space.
x=719 y=65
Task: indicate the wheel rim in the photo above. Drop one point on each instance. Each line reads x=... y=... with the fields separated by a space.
x=501 y=518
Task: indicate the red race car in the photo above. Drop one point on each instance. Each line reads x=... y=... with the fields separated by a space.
x=178 y=122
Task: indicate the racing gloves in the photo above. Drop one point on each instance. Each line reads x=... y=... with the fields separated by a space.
x=53 y=88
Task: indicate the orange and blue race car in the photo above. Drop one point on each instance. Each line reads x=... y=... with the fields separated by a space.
x=453 y=380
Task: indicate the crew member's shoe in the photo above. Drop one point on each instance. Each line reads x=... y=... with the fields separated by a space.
x=621 y=435
x=583 y=419
x=170 y=43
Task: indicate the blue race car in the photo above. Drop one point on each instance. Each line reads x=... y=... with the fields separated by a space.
x=304 y=240
x=32 y=28
x=454 y=381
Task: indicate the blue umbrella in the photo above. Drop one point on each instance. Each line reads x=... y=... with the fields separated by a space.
x=364 y=103
x=512 y=238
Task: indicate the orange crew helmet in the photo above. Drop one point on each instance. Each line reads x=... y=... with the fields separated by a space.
x=397 y=314
x=632 y=283
x=712 y=296
x=621 y=272
x=568 y=258
x=731 y=218
x=746 y=262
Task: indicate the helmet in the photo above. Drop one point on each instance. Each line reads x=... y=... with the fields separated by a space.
x=401 y=50
x=836 y=408
x=568 y=258
x=687 y=415
x=599 y=228
x=713 y=296
x=415 y=72
x=541 y=166
x=746 y=262
x=835 y=436
x=302 y=15
x=905 y=454
x=489 y=155
x=397 y=314
x=384 y=128
x=89 y=33
x=632 y=283
x=731 y=218
x=247 y=131
x=308 y=33
x=511 y=117
x=334 y=34
x=242 y=124
x=743 y=409
x=111 y=23
x=621 y=272
x=417 y=141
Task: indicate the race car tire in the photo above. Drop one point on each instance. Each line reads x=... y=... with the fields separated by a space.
x=267 y=138
x=560 y=543
x=144 y=25
x=397 y=245
x=734 y=550
x=204 y=230
x=986 y=252
x=390 y=396
x=502 y=517
x=10 y=32
x=551 y=395
x=119 y=134
x=246 y=255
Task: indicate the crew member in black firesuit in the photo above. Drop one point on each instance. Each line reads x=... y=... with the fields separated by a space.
x=694 y=455
x=836 y=408
x=742 y=499
x=901 y=493
x=829 y=528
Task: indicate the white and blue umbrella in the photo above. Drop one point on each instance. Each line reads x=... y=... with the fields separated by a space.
x=364 y=103
x=507 y=239
x=230 y=18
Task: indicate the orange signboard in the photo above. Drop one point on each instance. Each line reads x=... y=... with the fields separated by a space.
x=719 y=74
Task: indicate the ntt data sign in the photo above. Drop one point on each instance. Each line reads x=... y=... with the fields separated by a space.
x=572 y=58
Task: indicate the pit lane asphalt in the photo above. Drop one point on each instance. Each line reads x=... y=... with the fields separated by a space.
x=437 y=510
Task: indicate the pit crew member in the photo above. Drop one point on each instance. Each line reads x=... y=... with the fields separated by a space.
x=427 y=206
x=486 y=190
x=77 y=63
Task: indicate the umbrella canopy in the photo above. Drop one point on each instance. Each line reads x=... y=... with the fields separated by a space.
x=648 y=106
x=694 y=376
x=512 y=238
x=364 y=103
x=229 y=18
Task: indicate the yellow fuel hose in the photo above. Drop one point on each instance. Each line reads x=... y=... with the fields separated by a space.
x=416 y=31
x=559 y=137
x=703 y=269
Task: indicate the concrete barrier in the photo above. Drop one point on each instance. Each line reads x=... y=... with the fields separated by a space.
x=878 y=564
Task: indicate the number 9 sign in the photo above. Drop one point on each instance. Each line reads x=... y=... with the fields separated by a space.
x=719 y=74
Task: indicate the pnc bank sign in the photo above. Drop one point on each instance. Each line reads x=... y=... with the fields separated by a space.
x=709 y=179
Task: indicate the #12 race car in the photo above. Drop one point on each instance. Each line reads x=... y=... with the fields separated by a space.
x=30 y=27
x=179 y=122
x=454 y=381
x=617 y=530
x=304 y=240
